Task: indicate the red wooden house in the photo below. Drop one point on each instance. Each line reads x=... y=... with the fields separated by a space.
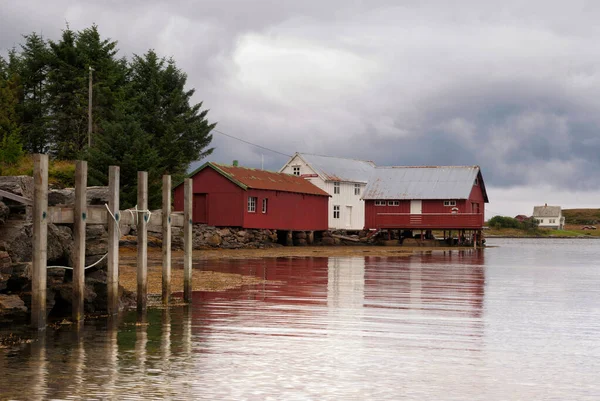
x=426 y=198
x=231 y=196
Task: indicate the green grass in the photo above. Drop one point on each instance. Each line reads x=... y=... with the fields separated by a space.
x=581 y=216
x=61 y=173
x=540 y=233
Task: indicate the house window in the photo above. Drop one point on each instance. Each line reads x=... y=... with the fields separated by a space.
x=379 y=203
x=449 y=203
x=296 y=170
x=336 y=211
x=252 y=204
x=552 y=221
x=336 y=187
x=476 y=181
x=356 y=189
x=540 y=220
x=264 y=205
x=393 y=203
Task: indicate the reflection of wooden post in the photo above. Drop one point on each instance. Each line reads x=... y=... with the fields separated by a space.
x=79 y=217
x=166 y=239
x=113 y=240
x=40 y=241
x=187 y=240
x=142 y=241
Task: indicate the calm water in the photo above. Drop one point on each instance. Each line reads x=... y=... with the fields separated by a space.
x=520 y=321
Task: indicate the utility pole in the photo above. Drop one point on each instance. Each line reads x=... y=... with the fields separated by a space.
x=90 y=109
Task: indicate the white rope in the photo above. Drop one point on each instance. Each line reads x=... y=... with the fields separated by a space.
x=119 y=230
x=87 y=267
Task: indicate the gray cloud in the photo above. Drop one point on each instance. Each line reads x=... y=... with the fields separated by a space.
x=512 y=87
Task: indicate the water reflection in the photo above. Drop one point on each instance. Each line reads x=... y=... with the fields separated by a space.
x=416 y=327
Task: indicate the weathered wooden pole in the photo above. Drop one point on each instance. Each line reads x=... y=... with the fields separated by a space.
x=40 y=241
x=187 y=240
x=166 y=239
x=142 y=241
x=79 y=217
x=113 y=240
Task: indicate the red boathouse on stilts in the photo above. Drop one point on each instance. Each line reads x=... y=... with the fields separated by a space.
x=427 y=198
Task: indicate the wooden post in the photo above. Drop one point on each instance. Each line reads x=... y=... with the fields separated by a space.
x=187 y=240
x=166 y=239
x=113 y=240
x=142 y=241
x=40 y=241
x=79 y=217
x=310 y=237
x=289 y=240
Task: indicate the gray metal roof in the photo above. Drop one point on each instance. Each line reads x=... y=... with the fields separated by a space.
x=546 y=211
x=339 y=169
x=426 y=182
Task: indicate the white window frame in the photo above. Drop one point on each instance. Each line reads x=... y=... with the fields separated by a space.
x=336 y=211
x=356 y=189
x=449 y=203
x=541 y=221
x=336 y=188
x=252 y=204
x=380 y=203
x=264 y=204
x=296 y=170
x=393 y=203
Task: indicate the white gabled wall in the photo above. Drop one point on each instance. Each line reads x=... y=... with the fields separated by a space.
x=344 y=199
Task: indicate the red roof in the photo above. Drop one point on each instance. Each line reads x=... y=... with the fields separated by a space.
x=262 y=179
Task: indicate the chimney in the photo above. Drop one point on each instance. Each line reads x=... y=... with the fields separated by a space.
x=235 y=163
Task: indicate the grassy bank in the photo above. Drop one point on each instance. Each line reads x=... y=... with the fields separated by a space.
x=570 y=232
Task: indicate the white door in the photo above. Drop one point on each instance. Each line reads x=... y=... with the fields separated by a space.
x=416 y=207
x=348 y=216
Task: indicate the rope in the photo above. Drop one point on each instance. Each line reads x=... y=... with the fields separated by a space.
x=87 y=267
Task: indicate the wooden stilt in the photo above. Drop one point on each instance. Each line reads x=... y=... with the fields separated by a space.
x=187 y=240
x=166 y=239
x=113 y=240
x=79 y=217
x=40 y=241
x=142 y=241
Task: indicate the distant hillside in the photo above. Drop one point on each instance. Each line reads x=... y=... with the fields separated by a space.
x=581 y=216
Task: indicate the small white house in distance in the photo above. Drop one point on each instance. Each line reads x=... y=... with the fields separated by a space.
x=344 y=179
x=549 y=217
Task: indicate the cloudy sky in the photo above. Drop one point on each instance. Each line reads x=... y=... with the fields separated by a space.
x=513 y=86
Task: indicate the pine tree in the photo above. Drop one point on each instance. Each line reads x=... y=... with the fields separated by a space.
x=10 y=142
x=161 y=103
x=32 y=68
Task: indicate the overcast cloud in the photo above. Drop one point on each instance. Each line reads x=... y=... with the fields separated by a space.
x=512 y=87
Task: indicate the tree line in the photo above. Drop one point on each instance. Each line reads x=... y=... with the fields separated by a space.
x=143 y=116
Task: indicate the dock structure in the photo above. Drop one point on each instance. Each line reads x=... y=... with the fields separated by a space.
x=82 y=214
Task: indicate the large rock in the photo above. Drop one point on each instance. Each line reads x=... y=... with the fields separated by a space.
x=17 y=241
x=11 y=305
x=214 y=240
x=19 y=185
x=4 y=212
x=66 y=196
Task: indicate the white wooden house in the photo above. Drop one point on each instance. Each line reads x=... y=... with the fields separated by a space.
x=344 y=179
x=549 y=217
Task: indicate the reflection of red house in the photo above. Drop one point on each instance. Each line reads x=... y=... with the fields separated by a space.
x=429 y=197
x=231 y=196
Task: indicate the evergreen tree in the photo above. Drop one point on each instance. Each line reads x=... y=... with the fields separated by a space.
x=161 y=103
x=125 y=144
x=32 y=69
x=10 y=143
x=67 y=88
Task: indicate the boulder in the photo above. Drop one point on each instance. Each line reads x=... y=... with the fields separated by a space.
x=224 y=232
x=214 y=240
x=97 y=195
x=300 y=235
x=11 y=305
x=4 y=212
x=61 y=197
x=5 y=263
x=19 y=185
x=241 y=233
x=327 y=241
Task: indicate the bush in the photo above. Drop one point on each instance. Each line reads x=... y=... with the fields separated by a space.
x=11 y=150
x=509 y=222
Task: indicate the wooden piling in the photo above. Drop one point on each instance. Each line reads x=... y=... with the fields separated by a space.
x=40 y=241
x=187 y=240
x=79 y=217
x=113 y=240
x=166 y=239
x=310 y=237
x=289 y=239
x=142 y=241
